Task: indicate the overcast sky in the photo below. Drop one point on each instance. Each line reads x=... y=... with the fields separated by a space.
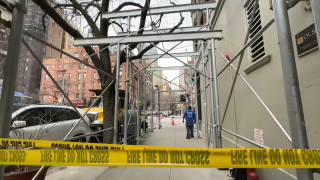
x=168 y=21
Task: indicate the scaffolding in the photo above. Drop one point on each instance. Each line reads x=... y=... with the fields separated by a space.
x=206 y=55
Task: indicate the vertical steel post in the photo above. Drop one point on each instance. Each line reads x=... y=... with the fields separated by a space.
x=151 y=101
x=212 y=100
x=125 y=129
x=138 y=106
x=204 y=119
x=291 y=83
x=144 y=99
x=191 y=91
x=216 y=96
x=10 y=71
x=159 y=122
x=196 y=105
x=116 y=98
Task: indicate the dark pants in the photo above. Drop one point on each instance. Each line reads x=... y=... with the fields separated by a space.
x=189 y=127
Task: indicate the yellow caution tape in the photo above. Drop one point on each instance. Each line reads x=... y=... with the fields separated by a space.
x=202 y=158
x=94 y=154
x=24 y=143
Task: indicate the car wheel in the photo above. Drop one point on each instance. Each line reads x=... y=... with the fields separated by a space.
x=81 y=140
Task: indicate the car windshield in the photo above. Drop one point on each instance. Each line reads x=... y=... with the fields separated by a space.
x=99 y=103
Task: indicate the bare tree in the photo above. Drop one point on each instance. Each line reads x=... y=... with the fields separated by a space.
x=103 y=61
x=171 y=97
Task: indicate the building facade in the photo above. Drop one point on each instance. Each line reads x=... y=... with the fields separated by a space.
x=77 y=79
x=29 y=72
x=262 y=69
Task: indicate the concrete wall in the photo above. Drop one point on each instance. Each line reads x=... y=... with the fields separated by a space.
x=245 y=112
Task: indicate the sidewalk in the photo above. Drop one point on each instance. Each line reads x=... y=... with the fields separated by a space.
x=173 y=136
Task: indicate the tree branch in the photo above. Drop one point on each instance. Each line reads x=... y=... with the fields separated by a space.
x=92 y=3
x=90 y=21
x=68 y=28
x=127 y=4
x=114 y=22
x=56 y=6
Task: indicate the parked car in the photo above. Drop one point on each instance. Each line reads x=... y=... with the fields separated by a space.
x=165 y=114
x=48 y=122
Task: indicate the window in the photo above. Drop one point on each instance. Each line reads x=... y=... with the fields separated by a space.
x=83 y=96
x=52 y=32
x=120 y=74
x=46 y=77
x=32 y=117
x=77 y=97
x=100 y=85
x=27 y=61
x=47 y=66
x=78 y=85
x=76 y=55
x=27 y=68
x=120 y=84
x=61 y=114
x=83 y=85
x=94 y=75
x=69 y=75
x=44 y=97
x=79 y=65
x=85 y=66
x=257 y=49
x=64 y=75
x=70 y=66
x=59 y=66
x=64 y=66
x=94 y=85
x=51 y=39
x=79 y=75
x=84 y=75
x=50 y=52
x=44 y=86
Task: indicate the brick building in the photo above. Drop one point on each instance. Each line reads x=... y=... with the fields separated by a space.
x=77 y=78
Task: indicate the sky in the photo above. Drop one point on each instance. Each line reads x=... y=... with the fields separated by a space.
x=168 y=21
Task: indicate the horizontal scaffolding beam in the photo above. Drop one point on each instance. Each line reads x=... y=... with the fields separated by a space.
x=160 y=10
x=216 y=34
x=174 y=91
x=166 y=30
x=185 y=54
x=167 y=68
x=173 y=103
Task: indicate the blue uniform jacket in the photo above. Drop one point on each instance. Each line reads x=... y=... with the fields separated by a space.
x=189 y=115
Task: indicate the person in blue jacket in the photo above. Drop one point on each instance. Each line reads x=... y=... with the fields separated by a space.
x=190 y=117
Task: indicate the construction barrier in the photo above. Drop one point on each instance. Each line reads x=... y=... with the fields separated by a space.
x=149 y=156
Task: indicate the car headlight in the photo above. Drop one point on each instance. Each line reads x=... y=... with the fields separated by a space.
x=97 y=122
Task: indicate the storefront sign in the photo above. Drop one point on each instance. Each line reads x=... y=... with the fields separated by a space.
x=306 y=40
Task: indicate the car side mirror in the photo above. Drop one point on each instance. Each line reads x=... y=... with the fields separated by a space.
x=18 y=124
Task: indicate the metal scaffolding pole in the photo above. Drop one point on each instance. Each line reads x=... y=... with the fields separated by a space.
x=159 y=122
x=138 y=106
x=240 y=60
x=205 y=119
x=151 y=102
x=144 y=98
x=260 y=100
x=116 y=99
x=291 y=83
x=10 y=71
x=216 y=106
x=197 y=107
